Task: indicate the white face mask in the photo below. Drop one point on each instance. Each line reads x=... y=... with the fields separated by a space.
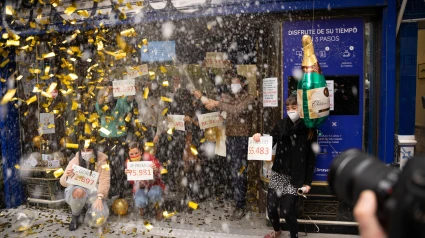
x=236 y=88
x=87 y=155
x=293 y=115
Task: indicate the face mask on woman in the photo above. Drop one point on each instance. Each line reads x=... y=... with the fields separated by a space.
x=236 y=88
x=293 y=115
x=87 y=155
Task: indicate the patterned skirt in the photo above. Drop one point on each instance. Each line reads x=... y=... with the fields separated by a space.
x=281 y=183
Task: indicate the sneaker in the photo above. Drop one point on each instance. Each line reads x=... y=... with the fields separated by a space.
x=73 y=225
x=273 y=234
x=238 y=214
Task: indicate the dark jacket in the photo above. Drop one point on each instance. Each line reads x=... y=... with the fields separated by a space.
x=294 y=155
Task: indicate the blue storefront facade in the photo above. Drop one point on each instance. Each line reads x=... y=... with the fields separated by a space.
x=348 y=57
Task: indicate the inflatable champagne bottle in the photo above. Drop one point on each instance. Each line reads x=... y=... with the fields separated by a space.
x=312 y=93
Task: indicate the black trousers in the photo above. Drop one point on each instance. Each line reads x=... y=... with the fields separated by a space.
x=288 y=209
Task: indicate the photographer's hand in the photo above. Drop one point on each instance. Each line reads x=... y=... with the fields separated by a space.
x=365 y=214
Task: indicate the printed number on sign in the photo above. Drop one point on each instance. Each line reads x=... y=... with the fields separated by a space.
x=82 y=179
x=140 y=172
x=258 y=150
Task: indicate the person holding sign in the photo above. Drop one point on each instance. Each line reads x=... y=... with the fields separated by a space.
x=87 y=180
x=145 y=191
x=292 y=168
x=150 y=111
x=112 y=112
x=239 y=109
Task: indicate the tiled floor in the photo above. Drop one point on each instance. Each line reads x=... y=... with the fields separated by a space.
x=211 y=219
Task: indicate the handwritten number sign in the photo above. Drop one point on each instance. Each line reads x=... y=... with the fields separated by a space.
x=83 y=177
x=176 y=122
x=260 y=150
x=209 y=120
x=124 y=88
x=141 y=170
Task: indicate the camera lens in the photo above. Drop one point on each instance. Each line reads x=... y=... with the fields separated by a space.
x=353 y=171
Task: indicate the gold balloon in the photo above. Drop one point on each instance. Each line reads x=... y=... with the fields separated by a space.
x=37 y=141
x=149 y=149
x=120 y=206
x=65 y=140
x=210 y=134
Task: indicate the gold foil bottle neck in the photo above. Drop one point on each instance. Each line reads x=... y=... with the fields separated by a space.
x=309 y=58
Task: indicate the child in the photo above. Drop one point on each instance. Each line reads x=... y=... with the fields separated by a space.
x=293 y=168
x=146 y=191
x=77 y=196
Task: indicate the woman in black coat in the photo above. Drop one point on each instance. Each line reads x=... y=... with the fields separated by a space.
x=293 y=168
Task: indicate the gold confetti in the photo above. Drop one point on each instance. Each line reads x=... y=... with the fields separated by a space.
x=193 y=205
x=151 y=144
x=19 y=77
x=193 y=150
x=17 y=166
x=165 y=84
x=105 y=108
x=105 y=166
x=163 y=69
x=145 y=41
x=4 y=63
x=144 y=128
x=241 y=169
x=49 y=55
x=129 y=32
x=9 y=10
x=164 y=111
x=165 y=99
x=58 y=173
x=128 y=118
x=74 y=105
x=202 y=140
x=170 y=131
x=8 y=96
x=31 y=100
x=73 y=76
x=138 y=134
x=70 y=10
x=168 y=215
x=51 y=87
x=12 y=43
x=83 y=13
x=105 y=131
x=71 y=146
x=146 y=93
x=152 y=75
x=47 y=70
x=164 y=171
x=33 y=25
x=148 y=226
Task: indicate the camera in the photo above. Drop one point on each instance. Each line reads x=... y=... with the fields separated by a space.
x=400 y=194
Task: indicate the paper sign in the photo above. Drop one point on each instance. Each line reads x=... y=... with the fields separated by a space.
x=47 y=123
x=215 y=60
x=260 y=150
x=141 y=170
x=176 y=122
x=33 y=162
x=270 y=92
x=209 y=120
x=47 y=157
x=124 y=87
x=136 y=71
x=330 y=86
x=54 y=164
x=83 y=177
